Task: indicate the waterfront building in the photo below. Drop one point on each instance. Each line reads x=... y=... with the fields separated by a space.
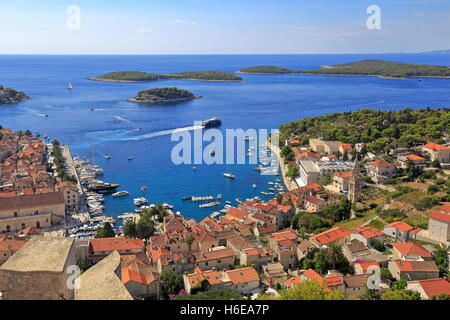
x=36 y=210
x=312 y=171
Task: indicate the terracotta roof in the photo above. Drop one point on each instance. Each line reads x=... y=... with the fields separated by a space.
x=32 y=201
x=285 y=235
x=312 y=275
x=237 y=213
x=381 y=163
x=368 y=232
x=135 y=269
x=270 y=228
x=199 y=275
x=435 y=286
x=435 y=146
x=314 y=200
x=412 y=266
x=15 y=244
x=243 y=275
x=345 y=174
x=293 y=281
x=240 y=243
x=330 y=235
x=441 y=216
x=411 y=249
x=213 y=255
x=400 y=225
x=111 y=244
x=369 y=264
x=414 y=157
x=251 y=252
x=160 y=252
x=356 y=281
x=333 y=281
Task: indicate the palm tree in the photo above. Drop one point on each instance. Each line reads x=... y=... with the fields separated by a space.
x=334 y=254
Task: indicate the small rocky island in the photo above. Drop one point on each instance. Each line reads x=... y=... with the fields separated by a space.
x=163 y=95
x=11 y=96
x=138 y=76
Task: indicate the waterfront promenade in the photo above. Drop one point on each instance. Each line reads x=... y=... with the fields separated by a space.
x=289 y=183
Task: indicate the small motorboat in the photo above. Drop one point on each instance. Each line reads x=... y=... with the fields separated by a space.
x=229 y=175
x=144 y=188
x=120 y=194
x=130 y=158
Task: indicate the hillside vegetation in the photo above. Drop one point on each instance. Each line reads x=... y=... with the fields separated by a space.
x=364 y=68
x=402 y=128
x=10 y=96
x=137 y=76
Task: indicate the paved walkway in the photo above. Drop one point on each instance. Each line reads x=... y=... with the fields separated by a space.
x=289 y=183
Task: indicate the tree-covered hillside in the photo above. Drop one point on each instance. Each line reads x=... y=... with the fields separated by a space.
x=403 y=128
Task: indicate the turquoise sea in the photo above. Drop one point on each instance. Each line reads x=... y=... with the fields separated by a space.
x=260 y=102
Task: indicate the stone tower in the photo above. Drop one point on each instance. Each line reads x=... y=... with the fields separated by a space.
x=355 y=183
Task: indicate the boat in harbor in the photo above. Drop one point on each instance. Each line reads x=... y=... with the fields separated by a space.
x=264 y=193
x=238 y=200
x=258 y=168
x=219 y=196
x=121 y=193
x=101 y=186
x=69 y=86
x=130 y=158
x=254 y=186
x=271 y=189
x=228 y=175
x=140 y=201
x=187 y=198
x=211 y=123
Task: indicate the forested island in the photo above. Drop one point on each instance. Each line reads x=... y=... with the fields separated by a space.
x=378 y=68
x=163 y=95
x=11 y=96
x=383 y=129
x=137 y=76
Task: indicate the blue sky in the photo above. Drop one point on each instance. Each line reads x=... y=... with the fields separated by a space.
x=223 y=27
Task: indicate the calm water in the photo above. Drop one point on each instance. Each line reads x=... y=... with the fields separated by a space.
x=260 y=102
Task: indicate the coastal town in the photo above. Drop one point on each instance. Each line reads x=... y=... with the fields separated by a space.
x=366 y=219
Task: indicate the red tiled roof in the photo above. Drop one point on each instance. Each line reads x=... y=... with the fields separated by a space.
x=314 y=200
x=381 y=163
x=368 y=232
x=312 y=275
x=243 y=275
x=411 y=266
x=199 y=275
x=135 y=269
x=435 y=286
x=237 y=213
x=293 y=281
x=441 y=216
x=435 y=146
x=411 y=248
x=330 y=235
x=400 y=225
x=414 y=157
x=15 y=244
x=368 y=264
x=332 y=281
x=345 y=174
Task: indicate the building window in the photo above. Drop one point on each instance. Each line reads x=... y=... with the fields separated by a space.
x=8 y=229
x=15 y=214
x=23 y=226
x=38 y=224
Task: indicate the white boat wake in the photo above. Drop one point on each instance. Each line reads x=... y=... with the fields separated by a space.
x=161 y=133
x=121 y=119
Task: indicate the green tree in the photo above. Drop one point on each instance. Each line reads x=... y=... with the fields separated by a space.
x=130 y=229
x=189 y=241
x=106 y=231
x=311 y=290
x=172 y=282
